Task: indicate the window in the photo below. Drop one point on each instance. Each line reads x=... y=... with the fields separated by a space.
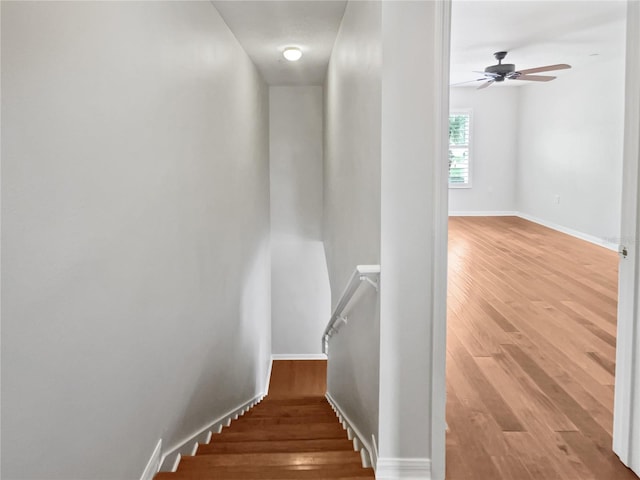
x=459 y=142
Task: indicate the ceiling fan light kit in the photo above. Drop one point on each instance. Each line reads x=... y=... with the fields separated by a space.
x=507 y=71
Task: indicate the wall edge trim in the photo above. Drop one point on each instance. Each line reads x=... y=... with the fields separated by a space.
x=189 y=445
x=484 y=213
x=570 y=231
x=367 y=452
x=153 y=465
x=268 y=379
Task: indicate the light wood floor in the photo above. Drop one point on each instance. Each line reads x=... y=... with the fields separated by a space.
x=530 y=354
x=298 y=378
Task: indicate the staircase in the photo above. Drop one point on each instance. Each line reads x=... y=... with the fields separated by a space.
x=283 y=437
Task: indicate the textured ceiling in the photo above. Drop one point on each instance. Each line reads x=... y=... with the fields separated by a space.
x=535 y=33
x=264 y=28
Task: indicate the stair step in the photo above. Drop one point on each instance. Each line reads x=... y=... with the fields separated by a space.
x=333 y=472
x=276 y=446
x=256 y=422
x=291 y=415
x=295 y=401
x=289 y=411
x=283 y=432
x=205 y=462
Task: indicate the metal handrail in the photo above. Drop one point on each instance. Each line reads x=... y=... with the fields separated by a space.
x=369 y=274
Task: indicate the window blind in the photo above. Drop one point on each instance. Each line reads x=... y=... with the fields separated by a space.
x=459 y=133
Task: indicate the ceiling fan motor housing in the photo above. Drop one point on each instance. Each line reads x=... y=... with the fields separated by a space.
x=501 y=69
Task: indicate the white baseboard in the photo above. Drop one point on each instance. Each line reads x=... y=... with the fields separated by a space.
x=189 y=445
x=373 y=454
x=174 y=466
x=266 y=387
x=489 y=213
x=403 y=469
x=298 y=356
x=569 y=231
x=367 y=449
x=153 y=465
x=554 y=226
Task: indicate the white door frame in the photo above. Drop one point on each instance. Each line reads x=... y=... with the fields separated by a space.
x=626 y=427
x=442 y=37
x=625 y=421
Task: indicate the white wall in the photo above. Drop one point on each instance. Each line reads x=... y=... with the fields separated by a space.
x=413 y=239
x=352 y=206
x=135 y=225
x=301 y=300
x=494 y=138
x=535 y=143
x=570 y=145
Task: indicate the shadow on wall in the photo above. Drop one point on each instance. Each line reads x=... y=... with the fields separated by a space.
x=302 y=299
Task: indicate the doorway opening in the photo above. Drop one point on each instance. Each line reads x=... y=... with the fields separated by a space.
x=533 y=272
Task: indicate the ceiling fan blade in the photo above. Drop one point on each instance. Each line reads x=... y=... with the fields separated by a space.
x=486 y=84
x=487 y=74
x=548 y=68
x=469 y=81
x=535 y=78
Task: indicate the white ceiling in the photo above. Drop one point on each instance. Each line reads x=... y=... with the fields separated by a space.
x=535 y=33
x=264 y=28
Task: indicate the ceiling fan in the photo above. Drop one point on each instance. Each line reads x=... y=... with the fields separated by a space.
x=502 y=71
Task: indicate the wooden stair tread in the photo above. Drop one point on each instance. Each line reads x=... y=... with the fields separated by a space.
x=253 y=422
x=270 y=459
x=289 y=427
x=289 y=411
x=307 y=433
x=314 y=445
x=272 y=473
x=295 y=401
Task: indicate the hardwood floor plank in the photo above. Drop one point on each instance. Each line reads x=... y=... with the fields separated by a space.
x=608 y=365
x=471 y=343
x=565 y=402
x=597 y=330
x=479 y=421
x=557 y=361
x=474 y=454
x=495 y=404
x=601 y=461
x=532 y=456
x=588 y=313
x=595 y=398
x=524 y=396
x=510 y=466
x=497 y=317
x=530 y=353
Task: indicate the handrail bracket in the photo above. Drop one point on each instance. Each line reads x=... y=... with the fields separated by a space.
x=363 y=273
x=370 y=281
